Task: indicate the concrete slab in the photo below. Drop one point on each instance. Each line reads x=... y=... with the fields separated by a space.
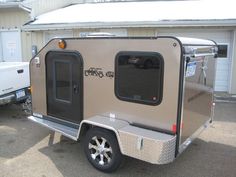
x=27 y=149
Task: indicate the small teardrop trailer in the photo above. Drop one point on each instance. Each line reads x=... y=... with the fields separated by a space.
x=143 y=97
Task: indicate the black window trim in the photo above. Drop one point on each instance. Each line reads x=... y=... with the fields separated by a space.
x=144 y=53
x=227 y=51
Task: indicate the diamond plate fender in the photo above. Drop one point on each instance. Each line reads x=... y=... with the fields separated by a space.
x=150 y=146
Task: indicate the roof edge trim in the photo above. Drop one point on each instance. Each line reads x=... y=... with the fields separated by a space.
x=92 y=25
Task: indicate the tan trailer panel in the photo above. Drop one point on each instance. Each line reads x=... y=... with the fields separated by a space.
x=99 y=95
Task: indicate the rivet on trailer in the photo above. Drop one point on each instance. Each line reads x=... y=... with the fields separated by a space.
x=143 y=97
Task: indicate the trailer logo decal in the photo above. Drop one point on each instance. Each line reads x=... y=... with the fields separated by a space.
x=98 y=72
x=110 y=74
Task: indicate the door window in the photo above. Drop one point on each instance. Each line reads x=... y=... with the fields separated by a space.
x=63 y=80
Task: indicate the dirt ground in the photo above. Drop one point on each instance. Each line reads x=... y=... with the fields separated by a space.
x=27 y=149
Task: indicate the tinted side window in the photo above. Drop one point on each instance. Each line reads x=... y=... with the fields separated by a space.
x=139 y=77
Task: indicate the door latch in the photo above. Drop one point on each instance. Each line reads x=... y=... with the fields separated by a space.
x=76 y=88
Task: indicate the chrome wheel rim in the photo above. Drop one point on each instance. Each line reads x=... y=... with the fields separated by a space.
x=100 y=150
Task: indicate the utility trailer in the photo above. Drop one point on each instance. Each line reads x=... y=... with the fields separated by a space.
x=146 y=98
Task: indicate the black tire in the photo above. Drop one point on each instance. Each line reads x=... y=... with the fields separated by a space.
x=21 y=101
x=106 y=158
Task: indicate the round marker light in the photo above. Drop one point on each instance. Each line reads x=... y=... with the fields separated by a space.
x=30 y=89
x=62 y=44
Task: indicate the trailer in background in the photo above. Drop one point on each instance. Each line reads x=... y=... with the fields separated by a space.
x=146 y=98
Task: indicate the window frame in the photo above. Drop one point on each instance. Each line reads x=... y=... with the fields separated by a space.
x=227 y=51
x=161 y=81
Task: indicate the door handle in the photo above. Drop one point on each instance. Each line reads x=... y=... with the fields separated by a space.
x=76 y=88
x=19 y=71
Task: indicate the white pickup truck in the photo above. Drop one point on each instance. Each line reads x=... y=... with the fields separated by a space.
x=14 y=82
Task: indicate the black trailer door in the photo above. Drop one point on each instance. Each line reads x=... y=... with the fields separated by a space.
x=64 y=72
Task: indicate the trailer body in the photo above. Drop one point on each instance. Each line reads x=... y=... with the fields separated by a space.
x=154 y=94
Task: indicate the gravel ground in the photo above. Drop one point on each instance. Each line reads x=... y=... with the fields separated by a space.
x=27 y=149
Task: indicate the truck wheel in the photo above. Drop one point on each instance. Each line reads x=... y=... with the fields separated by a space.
x=102 y=149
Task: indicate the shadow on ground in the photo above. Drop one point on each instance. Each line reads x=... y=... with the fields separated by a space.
x=17 y=134
x=200 y=159
x=213 y=154
x=225 y=112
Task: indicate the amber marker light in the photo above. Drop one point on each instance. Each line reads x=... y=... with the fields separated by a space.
x=62 y=44
x=30 y=89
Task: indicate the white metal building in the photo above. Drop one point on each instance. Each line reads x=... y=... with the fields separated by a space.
x=15 y=44
x=179 y=18
x=12 y=17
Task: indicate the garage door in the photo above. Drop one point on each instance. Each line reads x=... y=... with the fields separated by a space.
x=10 y=46
x=222 y=38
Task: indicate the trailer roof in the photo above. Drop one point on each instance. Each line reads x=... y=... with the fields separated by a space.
x=138 y=14
x=194 y=41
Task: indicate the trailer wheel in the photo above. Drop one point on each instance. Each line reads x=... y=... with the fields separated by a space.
x=102 y=149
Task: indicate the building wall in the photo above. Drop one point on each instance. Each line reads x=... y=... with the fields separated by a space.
x=141 y=32
x=13 y=18
x=26 y=45
x=42 y=6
